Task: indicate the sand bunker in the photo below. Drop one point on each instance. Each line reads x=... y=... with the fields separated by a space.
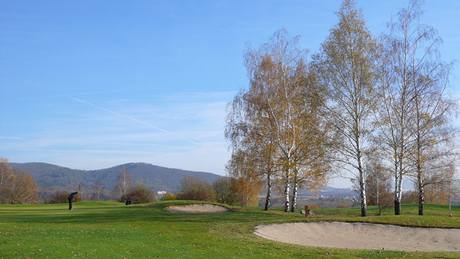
x=197 y=208
x=363 y=236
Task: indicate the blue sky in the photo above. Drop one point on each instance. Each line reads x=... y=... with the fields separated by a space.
x=90 y=84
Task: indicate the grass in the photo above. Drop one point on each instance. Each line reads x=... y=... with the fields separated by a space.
x=112 y=230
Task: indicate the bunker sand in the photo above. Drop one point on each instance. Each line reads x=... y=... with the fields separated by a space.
x=362 y=236
x=197 y=208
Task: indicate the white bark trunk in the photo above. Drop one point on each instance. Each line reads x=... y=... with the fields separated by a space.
x=294 y=195
x=287 y=189
x=269 y=192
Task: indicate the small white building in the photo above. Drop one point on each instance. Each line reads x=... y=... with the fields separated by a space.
x=161 y=193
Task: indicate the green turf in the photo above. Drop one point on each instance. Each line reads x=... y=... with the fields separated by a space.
x=111 y=230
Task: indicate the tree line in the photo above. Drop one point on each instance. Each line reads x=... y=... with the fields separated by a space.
x=365 y=107
x=17 y=187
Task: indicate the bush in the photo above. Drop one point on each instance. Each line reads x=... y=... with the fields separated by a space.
x=193 y=188
x=237 y=191
x=245 y=191
x=62 y=197
x=169 y=197
x=58 y=197
x=139 y=194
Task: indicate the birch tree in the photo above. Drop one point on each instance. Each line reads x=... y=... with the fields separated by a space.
x=433 y=153
x=415 y=109
x=278 y=120
x=270 y=107
x=275 y=84
x=346 y=66
x=395 y=111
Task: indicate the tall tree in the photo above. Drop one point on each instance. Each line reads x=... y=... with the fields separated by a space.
x=268 y=106
x=415 y=107
x=278 y=123
x=394 y=113
x=272 y=75
x=346 y=64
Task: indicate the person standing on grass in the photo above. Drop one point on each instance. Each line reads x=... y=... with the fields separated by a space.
x=70 y=198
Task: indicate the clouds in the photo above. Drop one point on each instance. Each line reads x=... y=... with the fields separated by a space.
x=183 y=130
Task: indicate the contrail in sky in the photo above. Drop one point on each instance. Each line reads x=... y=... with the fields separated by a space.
x=120 y=115
x=141 y=122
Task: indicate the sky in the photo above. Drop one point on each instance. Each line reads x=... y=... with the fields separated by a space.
x=91 y=84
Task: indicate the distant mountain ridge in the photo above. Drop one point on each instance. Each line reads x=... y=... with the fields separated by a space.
x=52 y=177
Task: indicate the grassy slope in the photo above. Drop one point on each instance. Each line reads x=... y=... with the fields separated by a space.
x=111 y=230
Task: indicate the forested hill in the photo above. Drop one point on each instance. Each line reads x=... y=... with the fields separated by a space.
x=51 y=177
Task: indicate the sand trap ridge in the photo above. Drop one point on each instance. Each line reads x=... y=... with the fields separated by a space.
x=197 y=208
x=362 y=236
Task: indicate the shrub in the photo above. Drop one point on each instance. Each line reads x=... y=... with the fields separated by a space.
x=193 y=188
x=169 y=197
x=58 y=197
x=245 y=191
x=240 y=191
x=62 y=197
x=139 y=194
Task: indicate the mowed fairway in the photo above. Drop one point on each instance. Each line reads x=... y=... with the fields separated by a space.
x=112 y=230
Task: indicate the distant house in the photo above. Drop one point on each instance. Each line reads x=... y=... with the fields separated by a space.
x=161 y=193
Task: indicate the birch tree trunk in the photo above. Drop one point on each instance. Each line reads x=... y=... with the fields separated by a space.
x=269 y=192
x=397 y=195
x=287 y=189
x=362 y=185
x=421 y=196
x=418 y=159
x=294 y=191
x=377 y=198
